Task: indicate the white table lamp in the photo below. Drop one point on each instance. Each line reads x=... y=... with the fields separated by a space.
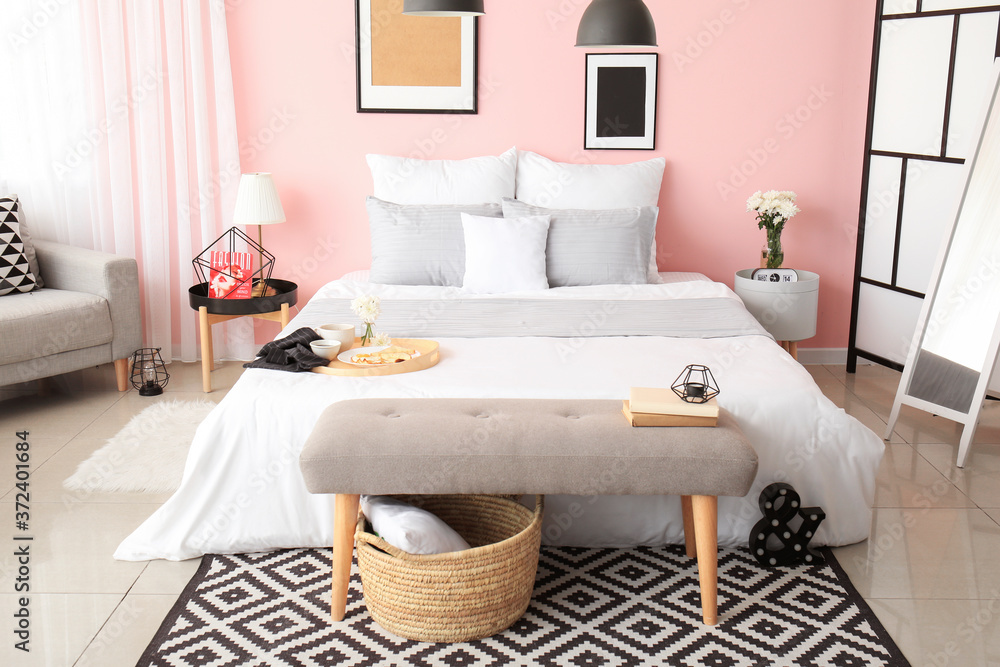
x=257 y=203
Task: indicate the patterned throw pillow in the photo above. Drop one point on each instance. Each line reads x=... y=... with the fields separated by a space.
x=15 y=272
x=10 y=211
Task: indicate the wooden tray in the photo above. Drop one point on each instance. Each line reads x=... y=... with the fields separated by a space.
x=429 y=356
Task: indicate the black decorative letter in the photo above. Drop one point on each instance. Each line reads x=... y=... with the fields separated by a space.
x=780 y=503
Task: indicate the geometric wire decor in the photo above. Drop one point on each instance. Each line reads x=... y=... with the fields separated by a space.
x=229 y=241
x=696 y=384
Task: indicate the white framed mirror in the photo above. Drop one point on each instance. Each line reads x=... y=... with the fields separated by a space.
x=954 y=350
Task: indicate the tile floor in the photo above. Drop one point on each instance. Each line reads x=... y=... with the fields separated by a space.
x=930 y=570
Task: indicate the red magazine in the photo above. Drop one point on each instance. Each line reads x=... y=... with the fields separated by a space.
x=230 y=275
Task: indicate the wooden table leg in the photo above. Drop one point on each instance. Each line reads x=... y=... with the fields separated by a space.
x=706 y=527
x=345 y=520
x=689 y=536
x=211 y=346
x=206 y=349
x=285 y=316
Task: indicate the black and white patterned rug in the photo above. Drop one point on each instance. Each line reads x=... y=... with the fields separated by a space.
x=591 y=607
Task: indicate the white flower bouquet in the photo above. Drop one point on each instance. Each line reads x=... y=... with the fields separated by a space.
x=773 y=208
x=368 y=308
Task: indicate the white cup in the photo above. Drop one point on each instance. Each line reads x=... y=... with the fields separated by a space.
x=343 y=332
x=327 y=349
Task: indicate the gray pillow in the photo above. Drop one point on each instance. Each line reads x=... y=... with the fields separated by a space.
x=420 y=244
x=594 y=247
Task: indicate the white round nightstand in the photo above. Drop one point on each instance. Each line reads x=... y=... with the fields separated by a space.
x=786 y=310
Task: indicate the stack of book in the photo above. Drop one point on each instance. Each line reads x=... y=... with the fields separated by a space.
x=655 y=406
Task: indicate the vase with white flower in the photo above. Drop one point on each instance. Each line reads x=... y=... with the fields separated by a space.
x=773 y=208
x=368 y=308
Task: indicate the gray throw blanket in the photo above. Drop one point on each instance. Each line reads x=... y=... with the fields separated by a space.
x=291 y=353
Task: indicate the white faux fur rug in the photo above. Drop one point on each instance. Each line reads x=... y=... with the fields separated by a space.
x=147 y=456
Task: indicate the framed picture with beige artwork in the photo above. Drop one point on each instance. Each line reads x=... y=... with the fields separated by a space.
x=414 y=64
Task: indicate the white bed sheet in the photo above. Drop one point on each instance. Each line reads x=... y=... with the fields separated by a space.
x=242 y=490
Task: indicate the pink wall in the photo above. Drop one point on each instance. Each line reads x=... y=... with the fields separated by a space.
x=753 y=94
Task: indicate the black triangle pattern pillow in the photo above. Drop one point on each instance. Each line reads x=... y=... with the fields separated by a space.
x=10 y=206
x=15 y=272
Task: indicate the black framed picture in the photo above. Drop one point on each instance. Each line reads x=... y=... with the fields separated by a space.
x=414 y=64
x=621 y=101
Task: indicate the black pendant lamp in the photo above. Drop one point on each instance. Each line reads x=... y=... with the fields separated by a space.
x=443 y=7
x=616 y=24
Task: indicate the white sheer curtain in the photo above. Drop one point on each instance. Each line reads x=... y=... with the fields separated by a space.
x=118 y=132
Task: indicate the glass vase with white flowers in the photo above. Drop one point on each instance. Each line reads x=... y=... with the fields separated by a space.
x=368 y=308
x=773 y=208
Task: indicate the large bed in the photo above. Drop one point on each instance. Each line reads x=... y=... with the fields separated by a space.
x=242 y=490
x=539 y=280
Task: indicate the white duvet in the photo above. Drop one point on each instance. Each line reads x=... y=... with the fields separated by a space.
x=242 y=490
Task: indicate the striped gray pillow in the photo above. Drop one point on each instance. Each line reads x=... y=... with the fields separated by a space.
x=594 y=247
x=420 y=244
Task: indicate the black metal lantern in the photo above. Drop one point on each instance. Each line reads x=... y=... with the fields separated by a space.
x=696 y=384
x=149 y=373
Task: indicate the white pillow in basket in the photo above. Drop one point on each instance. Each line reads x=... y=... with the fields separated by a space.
x=410 y=528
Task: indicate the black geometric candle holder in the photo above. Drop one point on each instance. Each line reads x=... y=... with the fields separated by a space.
x=233 y=240
x=696 y=384
x=149 y=373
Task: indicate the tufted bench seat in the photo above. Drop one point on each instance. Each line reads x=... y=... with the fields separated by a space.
x=506 y=446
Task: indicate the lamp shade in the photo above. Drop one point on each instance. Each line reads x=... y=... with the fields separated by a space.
x=443 y=7
x=257 y=201
x=616 y=24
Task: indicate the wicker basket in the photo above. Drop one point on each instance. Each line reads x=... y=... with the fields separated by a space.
x=462 y=595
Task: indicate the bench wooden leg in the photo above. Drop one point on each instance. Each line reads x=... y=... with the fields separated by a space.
x=689 y=536
x=345 y=520
x=706 y=528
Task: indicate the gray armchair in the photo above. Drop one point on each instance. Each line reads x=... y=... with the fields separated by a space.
x=87 y=314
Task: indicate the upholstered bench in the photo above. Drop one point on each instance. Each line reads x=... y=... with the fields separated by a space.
x=505 y=446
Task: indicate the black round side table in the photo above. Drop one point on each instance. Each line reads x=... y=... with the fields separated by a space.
x=273 y=307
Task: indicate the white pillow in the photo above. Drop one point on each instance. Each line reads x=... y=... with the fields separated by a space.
x=504 y=255
x=410 y=528
x=473 y=181
x=543 y=182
